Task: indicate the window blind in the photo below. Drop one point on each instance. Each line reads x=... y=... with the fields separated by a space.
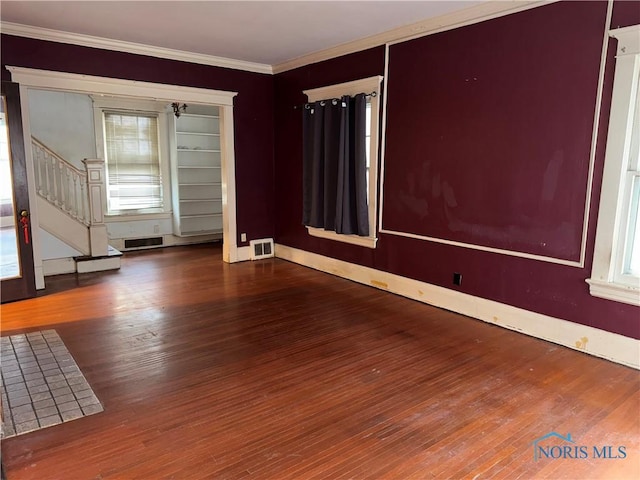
x=132 y=160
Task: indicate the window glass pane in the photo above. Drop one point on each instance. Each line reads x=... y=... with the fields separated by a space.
x=631 y=265
x=133 y=161
x=632 y=260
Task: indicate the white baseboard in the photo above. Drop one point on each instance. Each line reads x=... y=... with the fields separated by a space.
x=611 y=346
x=98 y=265
x=61 y=266
x=244 y=254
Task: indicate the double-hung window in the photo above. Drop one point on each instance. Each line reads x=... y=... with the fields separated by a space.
x=616 y=264
x=368 y=86
x=131 y=138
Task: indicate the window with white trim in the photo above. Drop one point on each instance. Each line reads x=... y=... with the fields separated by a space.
x=616 y=264
x=366 y=85
x=132 y=137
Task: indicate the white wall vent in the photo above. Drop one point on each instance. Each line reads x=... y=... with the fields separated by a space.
x=262 y=248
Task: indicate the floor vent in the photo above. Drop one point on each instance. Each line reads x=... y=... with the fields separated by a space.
x=262 y=248
x=143 y=242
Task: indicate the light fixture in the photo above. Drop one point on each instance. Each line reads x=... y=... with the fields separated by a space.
x=178 y=109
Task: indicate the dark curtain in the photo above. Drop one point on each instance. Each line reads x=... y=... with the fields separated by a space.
x=334 y=169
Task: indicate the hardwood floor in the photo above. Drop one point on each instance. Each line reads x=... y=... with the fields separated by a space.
x=269 y=370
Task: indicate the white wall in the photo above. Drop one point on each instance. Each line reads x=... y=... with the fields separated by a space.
x=64 y=123
x=53 y=248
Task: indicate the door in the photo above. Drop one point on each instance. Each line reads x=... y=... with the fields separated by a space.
x=16 y=252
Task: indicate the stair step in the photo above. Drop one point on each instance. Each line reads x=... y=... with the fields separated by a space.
x=110 y=261
x=111 y=252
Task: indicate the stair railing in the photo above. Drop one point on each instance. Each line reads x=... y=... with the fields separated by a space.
x=62 y=184
x=81 y=194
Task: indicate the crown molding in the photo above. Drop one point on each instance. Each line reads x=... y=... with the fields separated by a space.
x=39 y=33
x=475 y=14
x=460 y=18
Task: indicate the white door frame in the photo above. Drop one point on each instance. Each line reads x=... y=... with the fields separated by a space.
x=89 y=84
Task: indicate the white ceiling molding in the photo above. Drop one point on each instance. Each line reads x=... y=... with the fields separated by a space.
x=73 y=82
x=39 y=33
x=449 y=21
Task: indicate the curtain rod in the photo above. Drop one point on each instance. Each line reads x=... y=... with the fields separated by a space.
x=372 y=94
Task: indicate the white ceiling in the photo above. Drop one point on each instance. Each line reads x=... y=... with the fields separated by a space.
x=265 y=32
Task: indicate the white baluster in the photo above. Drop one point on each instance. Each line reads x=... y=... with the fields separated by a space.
x=49 y=173
x=84 y=196
x=73 y=197
x=36 y=169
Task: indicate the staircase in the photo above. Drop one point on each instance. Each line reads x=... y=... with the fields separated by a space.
x=71 y=207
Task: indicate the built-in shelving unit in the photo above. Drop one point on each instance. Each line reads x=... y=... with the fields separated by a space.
x=196 y=175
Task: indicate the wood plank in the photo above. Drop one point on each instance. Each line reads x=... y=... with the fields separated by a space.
x=274 y=371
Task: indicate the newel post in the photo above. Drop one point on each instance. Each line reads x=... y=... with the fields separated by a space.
x=97 y=194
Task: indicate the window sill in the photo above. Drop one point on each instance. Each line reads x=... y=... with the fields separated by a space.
x=369 y=242
x=129 y=217
x=614 y=291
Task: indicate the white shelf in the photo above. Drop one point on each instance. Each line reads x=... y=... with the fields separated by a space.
x=198 y=150
x=197 y=167
x=199 y=133
x=196 y=174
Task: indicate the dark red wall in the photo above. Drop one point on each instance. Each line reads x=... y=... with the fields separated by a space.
x=496 y=109
x=253 y=109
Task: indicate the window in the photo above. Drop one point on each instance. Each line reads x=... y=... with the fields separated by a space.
x=616 y=264
x=132 y=161
x=367 y=85
x=131 y=136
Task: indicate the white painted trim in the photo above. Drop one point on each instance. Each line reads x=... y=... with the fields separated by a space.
x=628 y=40
x=596 y=342
x=473 y=246
x=589 y=187
x=614 y=291
x=88 y=84
x=369 y=242
x=383 y=136
x=31 y=186
x=98 y=265
x=467 y=16
x=243 y=254
x=58 y=266
x=228 y=173
x=50 y=35
x=594 y=133
x=364 y=85
x=606 y=281
x=137 y=216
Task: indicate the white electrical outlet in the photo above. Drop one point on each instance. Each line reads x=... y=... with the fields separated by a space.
x=243 y=237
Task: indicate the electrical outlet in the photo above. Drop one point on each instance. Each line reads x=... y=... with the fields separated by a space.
x=457 y=279
x=156 y=229
x=243 y=237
